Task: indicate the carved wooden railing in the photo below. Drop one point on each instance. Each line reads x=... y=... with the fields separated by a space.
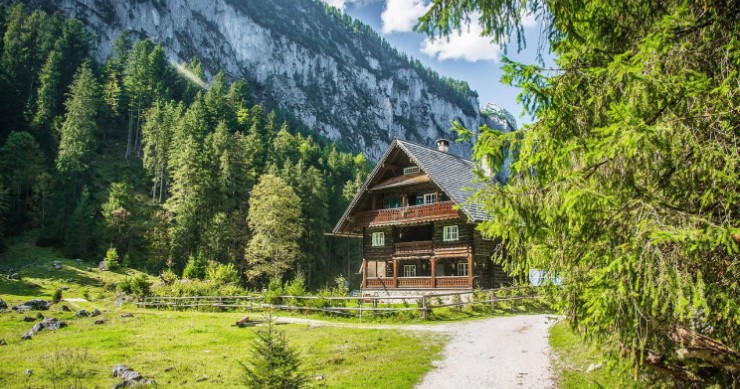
x=420 y=282
x=417 y=213
x=423 y=247
x=453 y=282
x=414 y=282
x=380 y=282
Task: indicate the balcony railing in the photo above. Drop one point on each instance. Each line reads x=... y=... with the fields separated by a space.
x=417 y=213
x=423 y=247
x=457 y=282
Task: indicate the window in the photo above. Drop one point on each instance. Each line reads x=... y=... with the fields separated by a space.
x=409 y=270
x=378 y=239
x=411 y=169
x=450 y=233
x=394 y=203
x=462 y=269
x=430 y=198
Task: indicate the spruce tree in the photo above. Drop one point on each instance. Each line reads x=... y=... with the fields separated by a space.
x=77 y=141
x=273 y=363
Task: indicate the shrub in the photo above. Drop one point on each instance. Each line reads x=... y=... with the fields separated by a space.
x=112 y=261
x=297 y=287
x=274 y=291
x=221 y=274
x=137 y=286
x=169 y=277
x=195 y=268
x=273 y=363
x=57 y=296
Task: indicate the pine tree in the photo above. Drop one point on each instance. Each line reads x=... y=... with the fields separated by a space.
x=76 y=143
x=273 y=363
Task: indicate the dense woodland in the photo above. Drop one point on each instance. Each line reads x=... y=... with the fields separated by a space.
x=143 y=156
x=626 y=187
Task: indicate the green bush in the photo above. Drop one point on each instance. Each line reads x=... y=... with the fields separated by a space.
x=195 y=268
x=220 y=274
x=112 y=260
x=138 y=286
x=169 y=277
x=57 y=296
x=274 y=291
x=186 y=288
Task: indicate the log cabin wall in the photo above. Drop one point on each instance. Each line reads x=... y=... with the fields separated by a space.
x=464 y=233
x=493 y=275
x=377 y=253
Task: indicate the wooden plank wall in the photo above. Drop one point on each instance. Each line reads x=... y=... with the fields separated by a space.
x=377 y=253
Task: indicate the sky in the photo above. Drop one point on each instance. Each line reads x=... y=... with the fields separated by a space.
x=466 y=56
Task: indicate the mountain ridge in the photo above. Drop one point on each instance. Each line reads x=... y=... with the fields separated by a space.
x=333 y=73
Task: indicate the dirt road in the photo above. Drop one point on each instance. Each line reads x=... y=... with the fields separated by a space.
x=506 y=352
x=503 y=352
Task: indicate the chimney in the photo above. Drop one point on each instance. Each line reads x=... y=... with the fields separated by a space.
x=443 y=145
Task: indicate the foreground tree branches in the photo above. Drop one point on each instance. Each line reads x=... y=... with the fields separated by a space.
x=627 y=187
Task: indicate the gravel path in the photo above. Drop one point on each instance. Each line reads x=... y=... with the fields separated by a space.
x=505 y=352
x=502 y=352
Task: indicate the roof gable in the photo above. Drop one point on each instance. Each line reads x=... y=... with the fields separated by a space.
x=452 y=174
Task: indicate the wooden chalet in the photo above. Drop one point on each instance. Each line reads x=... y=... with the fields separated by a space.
x=417 y=224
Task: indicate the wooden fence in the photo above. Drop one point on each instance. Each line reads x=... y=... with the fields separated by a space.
x=357 y=306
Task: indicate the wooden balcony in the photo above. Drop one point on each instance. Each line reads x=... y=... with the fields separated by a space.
x=405 y=249
x=418 y=213
x=450 y=282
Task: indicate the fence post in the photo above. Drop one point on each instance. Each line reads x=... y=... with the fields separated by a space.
x=424 y=307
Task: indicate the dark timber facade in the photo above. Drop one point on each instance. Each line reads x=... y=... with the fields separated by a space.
x=417 y=224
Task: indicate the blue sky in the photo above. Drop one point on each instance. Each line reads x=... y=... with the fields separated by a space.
x=467 y=56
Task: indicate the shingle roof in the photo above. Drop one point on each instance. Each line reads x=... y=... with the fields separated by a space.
x=454 y=175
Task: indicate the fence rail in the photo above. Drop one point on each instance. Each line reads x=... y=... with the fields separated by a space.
x=347 y=306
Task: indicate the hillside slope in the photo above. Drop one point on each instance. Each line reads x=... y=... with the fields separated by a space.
x=331 y=72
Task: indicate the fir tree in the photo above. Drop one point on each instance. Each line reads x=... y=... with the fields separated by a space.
x=76 y=143
x=273 y=363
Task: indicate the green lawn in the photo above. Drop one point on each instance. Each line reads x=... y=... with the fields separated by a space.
x=198 y=349
x=573 y=356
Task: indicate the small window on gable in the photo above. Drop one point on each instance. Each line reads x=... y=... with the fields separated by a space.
x=378 y=239
x=409 y=270
x=450 y=233
x=411 y=169
x=430 y=198
x=462 y=269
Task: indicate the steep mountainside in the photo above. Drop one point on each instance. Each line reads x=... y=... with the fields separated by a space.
x=331 y=72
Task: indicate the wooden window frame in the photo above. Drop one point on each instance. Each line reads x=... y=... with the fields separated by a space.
x=413 y=169
x=447 y=233
x=406 y=269
x=433 y=197
x=464 y=267
x=378 y=239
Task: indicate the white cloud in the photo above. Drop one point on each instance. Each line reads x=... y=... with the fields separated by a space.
x=467 y=45
x=401 y=15
x=529 y=21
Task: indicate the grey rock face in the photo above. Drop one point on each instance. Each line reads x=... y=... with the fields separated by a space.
x=337 y=78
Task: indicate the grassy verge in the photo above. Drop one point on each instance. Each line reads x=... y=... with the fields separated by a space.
x=579 y=365
x=194 y=349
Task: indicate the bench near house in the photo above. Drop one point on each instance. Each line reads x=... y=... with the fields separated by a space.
x=417 y=225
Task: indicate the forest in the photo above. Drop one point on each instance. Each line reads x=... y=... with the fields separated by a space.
x=143 y=158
